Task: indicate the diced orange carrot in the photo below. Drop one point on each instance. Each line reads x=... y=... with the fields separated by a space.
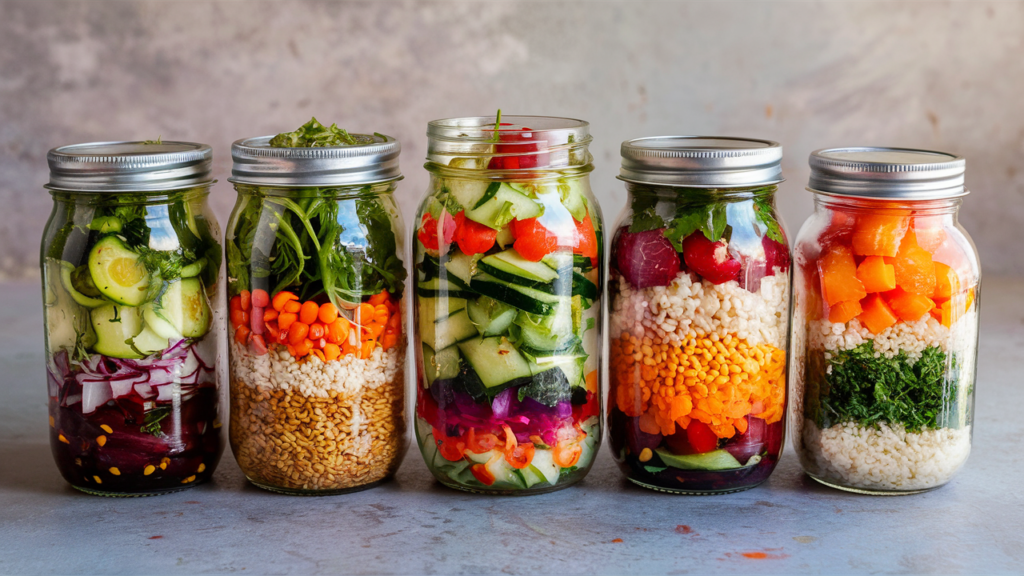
x=338 y=331
x=930 y=231
x=319 y=354
x=947 y=282
x=349 y=348
x=297 y=333
x=270 y=314
x=303 y=348
x=328 y=313
x=242 y=335
x=286 y=319
x=332 y=351
x=876 y=275
x=388 y=341
x=317 y=331
x=838 y=272
x=915 y=270
x=374 y=330
x=366 y=350
x=292 y=307
x=236 y=303
x=908 y=307
x=246 y=299
x=309 y=312
x=879 y=234
x=843 y=312
x=272 y=329
x=378 y=299
x=282 y=298
x=877 y=316
x=953 y=309
x=363 y=314
x=381 y=314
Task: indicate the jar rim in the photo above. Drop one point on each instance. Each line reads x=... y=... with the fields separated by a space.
x=545 y=142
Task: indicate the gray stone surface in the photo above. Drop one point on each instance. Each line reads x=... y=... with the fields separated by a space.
x=943 y=75
x=413 y=525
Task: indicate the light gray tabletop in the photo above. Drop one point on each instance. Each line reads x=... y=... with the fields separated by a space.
x=602 y=525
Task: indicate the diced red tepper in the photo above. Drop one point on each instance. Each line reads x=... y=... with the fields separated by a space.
x=710 y=259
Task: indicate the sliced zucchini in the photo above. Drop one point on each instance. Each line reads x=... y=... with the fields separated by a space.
x=441 y=365
x=66 y=269
x=147 y=342
x=443 y=333
x=439 y=308
x=115 y=326
x=522 y=297
x=505 y=238
x=437 y=288
x=491 y=317
x=552 y=332
x=490 y=206
x=118 y=273
x=719 y=459
x=181 y=310
x=559 y=260
x=511 y=267
x=544 y=463
x=496 y=362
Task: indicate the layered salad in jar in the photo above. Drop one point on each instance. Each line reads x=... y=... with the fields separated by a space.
x=886 y=374
x=317 y=345
x=699 y=297
x=508 y=255
x=131 y=354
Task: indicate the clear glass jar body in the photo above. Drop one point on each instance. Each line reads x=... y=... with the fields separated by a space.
x=130 y=288
x=508 y=344
x=698 y=298
x=885 y=344
x=317 y=338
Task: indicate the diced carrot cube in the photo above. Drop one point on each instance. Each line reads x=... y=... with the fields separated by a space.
x=838 y=272
x=908 y=307
x=915 y=270
x=879 y=234
x=877 y=316
x=876 y=275
x=843 y=312
x=930 y=231
x=947 y=282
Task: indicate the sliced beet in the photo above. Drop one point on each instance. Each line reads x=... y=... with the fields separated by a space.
x=646 y=259
x=637 y=439
x=751 y=442
x=776 y=255
x=711 y=260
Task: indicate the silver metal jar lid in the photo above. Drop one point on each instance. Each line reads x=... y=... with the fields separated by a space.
x=129 y=166
x=892 y=173
x=701 y=161
x=372 y=160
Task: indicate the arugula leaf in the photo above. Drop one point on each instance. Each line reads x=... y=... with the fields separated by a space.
x=869 y=390
x=763 y=209
x=313 y=134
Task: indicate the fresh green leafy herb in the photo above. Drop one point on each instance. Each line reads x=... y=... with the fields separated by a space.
x=151 y=422
x=655 y=469
x=869 y=390
x=491 y=192
x=159 y=140
x=496 y=137
x=313 y=134
x=709 y=218
x=564 y=473
x=763 y=210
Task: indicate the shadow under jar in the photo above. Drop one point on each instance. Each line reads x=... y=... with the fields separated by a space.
x=508 y=275
x=130 y=267
x=698 y=299
x=317 y=341
x=885 y=322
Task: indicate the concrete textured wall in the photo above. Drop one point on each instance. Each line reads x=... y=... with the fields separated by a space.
x=942 y=75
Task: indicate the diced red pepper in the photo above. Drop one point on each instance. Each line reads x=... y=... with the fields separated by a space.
x=524 y=141
x=533 y=240
x=481 y=473
x=701 y=437
x=428 y=232
x=473 y=237
x=586 y=238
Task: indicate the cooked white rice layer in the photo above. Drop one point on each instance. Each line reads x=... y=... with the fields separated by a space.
x=884 y=457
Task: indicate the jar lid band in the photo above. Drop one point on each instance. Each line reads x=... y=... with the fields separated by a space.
x=129 y=166
x=701 y=161
x=887 y=173
x=521 y=145
x=372 y=160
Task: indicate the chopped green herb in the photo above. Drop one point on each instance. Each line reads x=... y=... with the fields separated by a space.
x=763 y=209
x=655 y=469
x=313 y=134
x=151 y=422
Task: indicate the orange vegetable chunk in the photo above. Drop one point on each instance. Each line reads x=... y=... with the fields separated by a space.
x=838 y=272
x=879 y=234
x=930 y=232
x=947 y=282
x=877 y=316
x=915 y=270
x=843 y=312
x=876 y=275
x=909 y=307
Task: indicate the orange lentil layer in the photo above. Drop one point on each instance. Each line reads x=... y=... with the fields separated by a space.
x=716 y=380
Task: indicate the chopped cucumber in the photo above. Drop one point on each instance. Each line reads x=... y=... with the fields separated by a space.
x=441 y=365
x=530 y=476
x=115 y=326
x=439 y=308
x=106 y=224
x=559 y=260
x=193 y=269
x=461 y=268
x=66 y=269
x=181 y=310
x=505 y=238
x=446 y=332
x=496 y=362
x=492 y=207
x=544 y=463
x=552 y=332
x=149 y=342
x=581 y=286
x=118 y=273
x=436 y=287
x=522 y=297
x=573 y=197
x=491 y=317
x=428 y=446
x=719 y=459
x=511 y=267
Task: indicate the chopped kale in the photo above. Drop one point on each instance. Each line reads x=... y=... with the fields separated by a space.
x=313 y=134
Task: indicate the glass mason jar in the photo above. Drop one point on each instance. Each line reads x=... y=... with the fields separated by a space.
x=885 y=332
x=130 y=267
x=698 y=299
x=508 y=253
x=317 y=342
